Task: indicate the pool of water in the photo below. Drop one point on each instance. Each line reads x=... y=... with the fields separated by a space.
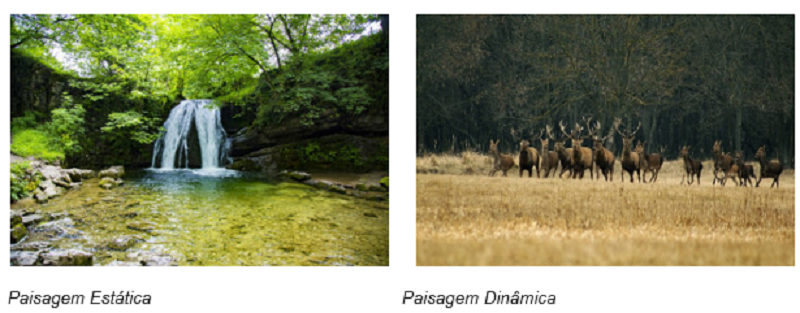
x=221 y=217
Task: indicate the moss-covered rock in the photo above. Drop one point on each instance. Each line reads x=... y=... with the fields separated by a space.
x=124 y=242
x=67 y=258
x=385 y=182
x=16 y=218
x=108 y=183
x=299 y=176
x=362 y=187
x=18 y=232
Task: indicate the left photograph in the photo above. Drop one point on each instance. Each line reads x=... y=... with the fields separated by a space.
x=195 y=140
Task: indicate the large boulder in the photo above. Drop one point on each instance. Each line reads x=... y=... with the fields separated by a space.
x=67 y=258
x=49 y=190
x=78 y=175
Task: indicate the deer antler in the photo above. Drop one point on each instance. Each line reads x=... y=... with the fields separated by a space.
x=563 y=127
x=541 y=132
x=618 y=121
x=636 y=130
x=550 y=132
x=514 y=134
x=577 y=131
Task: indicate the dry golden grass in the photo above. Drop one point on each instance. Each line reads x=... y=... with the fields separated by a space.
x=480 y=220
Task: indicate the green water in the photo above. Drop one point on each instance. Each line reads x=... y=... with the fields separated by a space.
x=222 y=220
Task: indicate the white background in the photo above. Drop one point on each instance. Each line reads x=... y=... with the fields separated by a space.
x=378 y=289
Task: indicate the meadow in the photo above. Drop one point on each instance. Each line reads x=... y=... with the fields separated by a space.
x=465 y=217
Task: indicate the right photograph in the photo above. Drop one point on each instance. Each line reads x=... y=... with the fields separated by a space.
x=605 y=140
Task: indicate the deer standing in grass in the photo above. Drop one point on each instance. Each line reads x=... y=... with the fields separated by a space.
x=528 y=158
x=722 y=162
x=603 y=158
x=745 y=170
x=692 y=167
x=581 y=156
x=768 y=168
x=549 y=159
x=564 y=155
x=630 y=159
x=649 y=162
x=502 y=162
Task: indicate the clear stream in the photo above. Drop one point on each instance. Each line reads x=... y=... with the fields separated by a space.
x=220 y=217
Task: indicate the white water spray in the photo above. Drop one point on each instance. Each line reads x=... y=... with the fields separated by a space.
x=174 y=147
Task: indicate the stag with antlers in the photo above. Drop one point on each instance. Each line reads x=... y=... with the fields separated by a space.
x=581 y=156
x=630 y=159
x=603 y=158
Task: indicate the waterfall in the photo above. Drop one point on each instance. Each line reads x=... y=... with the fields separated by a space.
x=194 y=138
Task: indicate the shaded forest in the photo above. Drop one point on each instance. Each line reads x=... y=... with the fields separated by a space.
x=689 y=80
x=94 y=90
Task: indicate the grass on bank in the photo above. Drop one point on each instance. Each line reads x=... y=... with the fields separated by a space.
x=36 y=143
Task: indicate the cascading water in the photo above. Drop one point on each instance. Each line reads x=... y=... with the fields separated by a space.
x=194 y=138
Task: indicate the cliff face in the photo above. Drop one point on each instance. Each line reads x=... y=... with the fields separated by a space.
x=339 y=138
x=34 y=86
x=333 y=143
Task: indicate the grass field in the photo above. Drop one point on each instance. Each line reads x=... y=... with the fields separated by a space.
x=465 y=217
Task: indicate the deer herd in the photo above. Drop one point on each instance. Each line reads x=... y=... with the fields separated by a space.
x=599 y=160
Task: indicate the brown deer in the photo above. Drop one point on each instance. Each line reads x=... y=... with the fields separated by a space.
x=564 y=156
x=692 y=167
x=745 y=170
x=768 y=168
x=549 y=159
x=581 y=156
x=649 y=162
x=528 y=158
x=603 y=158
x=630 y=159
x=502 y=162
x=722 y=162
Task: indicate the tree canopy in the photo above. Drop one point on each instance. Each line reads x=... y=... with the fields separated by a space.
x=690 y=80
x=125 y=72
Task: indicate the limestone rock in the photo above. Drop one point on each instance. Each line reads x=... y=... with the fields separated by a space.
x=113 y=172
x=49 y=189
x=67 y=258
x=108 y=183
x=32 y=219
x=30 y=246
x=124 y=242
x=124 y=263
x=25 y=258
x=299 y=176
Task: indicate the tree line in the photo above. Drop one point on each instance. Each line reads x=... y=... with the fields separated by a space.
x=689 y=80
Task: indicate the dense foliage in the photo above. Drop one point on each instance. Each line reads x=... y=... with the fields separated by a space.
x=690 y=80
x=23 y=183
x=109 y=81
